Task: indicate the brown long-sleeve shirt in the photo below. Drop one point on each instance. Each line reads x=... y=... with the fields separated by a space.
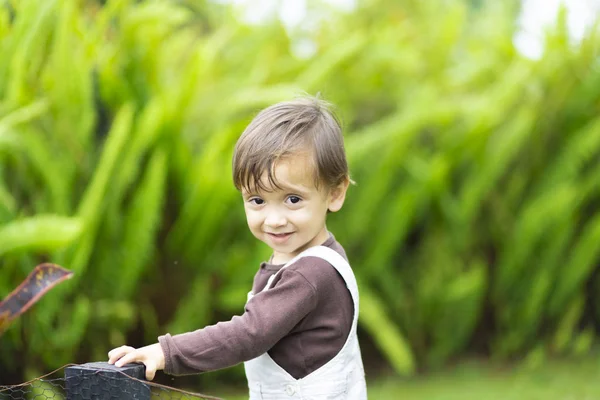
x=302 y=321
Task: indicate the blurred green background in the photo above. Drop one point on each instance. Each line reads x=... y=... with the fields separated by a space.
x=473 y=229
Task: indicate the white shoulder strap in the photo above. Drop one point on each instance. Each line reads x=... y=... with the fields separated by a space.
x=325 y=253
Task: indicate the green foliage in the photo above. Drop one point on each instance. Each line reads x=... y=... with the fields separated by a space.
x=39 y=233
x=573 y=378
x=473 y=222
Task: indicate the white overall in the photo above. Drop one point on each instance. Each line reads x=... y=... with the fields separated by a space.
x=342 y=377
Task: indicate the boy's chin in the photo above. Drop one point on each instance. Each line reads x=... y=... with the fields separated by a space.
x=287 y=250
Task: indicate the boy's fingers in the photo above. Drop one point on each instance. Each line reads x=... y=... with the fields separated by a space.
x=119 y=352
x=137 y=356
x=150 y=371
x=127 y=358
x=148 y=355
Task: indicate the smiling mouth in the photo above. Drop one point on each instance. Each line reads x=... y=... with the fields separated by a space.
x=279 y=235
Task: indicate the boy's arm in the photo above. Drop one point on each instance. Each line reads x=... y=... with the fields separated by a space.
x=268 y=317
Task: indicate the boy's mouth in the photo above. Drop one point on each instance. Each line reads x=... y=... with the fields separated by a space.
x=279 y=237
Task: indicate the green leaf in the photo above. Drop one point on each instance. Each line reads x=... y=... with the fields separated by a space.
x=39 y=233
x=92 y=202
x=142 y=224
x=387 y=336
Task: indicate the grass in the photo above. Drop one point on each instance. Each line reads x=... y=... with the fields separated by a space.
x=558 y=379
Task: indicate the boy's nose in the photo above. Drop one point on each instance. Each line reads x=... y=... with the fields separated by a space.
x=275 y=220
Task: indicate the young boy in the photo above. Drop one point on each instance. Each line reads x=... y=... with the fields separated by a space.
x=297 y=336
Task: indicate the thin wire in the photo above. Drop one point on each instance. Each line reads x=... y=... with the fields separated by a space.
x=10 y=387
x=157 y=385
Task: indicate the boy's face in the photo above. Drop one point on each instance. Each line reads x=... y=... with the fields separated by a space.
x=291 y=219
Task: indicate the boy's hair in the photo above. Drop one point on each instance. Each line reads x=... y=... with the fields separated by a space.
x=303 y=124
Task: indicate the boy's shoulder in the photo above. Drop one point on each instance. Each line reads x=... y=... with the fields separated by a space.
x=333 y=244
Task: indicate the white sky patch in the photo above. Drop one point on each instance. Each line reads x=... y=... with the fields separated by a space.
x=292 y=12
x=294 y=16
x=537 y=16
x=344 y=5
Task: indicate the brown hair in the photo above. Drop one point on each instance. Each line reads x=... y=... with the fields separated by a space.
x=306 y=123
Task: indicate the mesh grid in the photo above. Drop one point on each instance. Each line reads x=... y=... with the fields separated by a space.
x=38 y=389
x=95 y=386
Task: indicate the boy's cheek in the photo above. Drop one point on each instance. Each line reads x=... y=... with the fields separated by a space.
x=253 y=223
x=258 y=235
x=250 y=216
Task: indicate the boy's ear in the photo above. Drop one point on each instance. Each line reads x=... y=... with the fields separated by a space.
x=337 y=195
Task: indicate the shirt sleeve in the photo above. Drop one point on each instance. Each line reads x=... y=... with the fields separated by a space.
x=268 y=317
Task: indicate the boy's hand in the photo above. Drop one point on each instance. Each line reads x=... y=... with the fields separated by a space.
x=152 y=356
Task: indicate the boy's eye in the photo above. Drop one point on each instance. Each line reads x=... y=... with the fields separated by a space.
x=257 y=201
x=294 y=199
